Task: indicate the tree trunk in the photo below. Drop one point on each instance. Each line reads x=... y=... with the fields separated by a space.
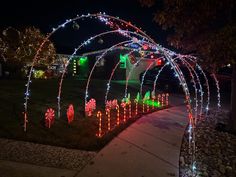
x=233 y=100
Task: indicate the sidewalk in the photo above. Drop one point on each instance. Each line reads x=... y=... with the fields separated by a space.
x=148 y=148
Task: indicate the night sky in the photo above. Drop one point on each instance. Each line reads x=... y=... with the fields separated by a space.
x=45 y=15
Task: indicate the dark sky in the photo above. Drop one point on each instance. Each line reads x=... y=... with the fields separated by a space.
x=48 y=14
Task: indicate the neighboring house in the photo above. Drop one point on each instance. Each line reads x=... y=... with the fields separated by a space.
x=80 y=66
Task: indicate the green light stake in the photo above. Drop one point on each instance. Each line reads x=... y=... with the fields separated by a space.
x=123 y=59
x=83 y=60
x=154 y=103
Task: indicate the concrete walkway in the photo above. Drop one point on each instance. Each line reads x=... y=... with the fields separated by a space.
x=150 y=147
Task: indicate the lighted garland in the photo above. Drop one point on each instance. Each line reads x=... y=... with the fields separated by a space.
x=199 y=83
x=205 y=78
x=195 y=88
x=193 y=59
x=207 y=85
x=218 y=90
x=206 y=81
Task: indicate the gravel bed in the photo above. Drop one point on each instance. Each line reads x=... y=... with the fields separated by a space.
x=44 y=155
x=215 y=149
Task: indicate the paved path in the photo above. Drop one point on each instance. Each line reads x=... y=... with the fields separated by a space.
x=148 y=148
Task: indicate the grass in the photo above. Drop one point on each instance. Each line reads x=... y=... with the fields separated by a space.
x=80 y=134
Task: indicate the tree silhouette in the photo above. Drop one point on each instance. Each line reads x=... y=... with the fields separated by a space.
x=204 y=28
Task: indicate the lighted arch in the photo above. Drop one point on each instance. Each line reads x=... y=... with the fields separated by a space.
x=166 y=53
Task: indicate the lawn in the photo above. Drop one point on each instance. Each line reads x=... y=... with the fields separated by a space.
x=80 y=134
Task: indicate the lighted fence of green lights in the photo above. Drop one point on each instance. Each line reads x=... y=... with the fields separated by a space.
x=123 y=59
x=83 y=60
x=152 y=103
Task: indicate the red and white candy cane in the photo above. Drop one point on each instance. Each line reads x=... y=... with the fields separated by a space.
x=99 y=116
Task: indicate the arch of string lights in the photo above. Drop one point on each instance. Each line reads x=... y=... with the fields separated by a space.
x=135 y=35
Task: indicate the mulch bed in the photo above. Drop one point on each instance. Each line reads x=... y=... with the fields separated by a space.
x=215 y=148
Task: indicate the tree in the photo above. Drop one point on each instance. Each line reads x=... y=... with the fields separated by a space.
x=204 y=28
x=18 y=48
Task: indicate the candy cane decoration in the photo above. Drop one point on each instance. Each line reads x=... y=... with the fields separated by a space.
x=162 y=99
x=118 y=115
x=99 y=116
x=167 y=99
x=136 y=107
x=108 y=113
x=136 y=100
x=130 y=112
x=123 y=105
